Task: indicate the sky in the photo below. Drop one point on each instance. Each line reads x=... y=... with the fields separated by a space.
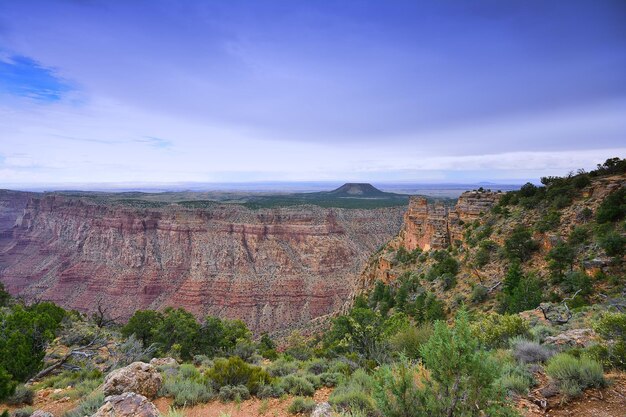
x=164 y=91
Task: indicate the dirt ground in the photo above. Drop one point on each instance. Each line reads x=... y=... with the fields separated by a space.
x=606 y=402
x=253 y=407
x=43 y=401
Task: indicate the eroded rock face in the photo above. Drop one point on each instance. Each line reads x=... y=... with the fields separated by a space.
x=573 y=338
x=128 y=404
x=274 y=268
x=436 y=226
x=138 y=377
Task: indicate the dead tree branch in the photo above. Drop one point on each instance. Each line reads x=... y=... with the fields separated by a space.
x=559 y=318
x=86 y=351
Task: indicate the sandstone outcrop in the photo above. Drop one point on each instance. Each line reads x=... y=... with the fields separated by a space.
x=139 y=377
x=436 y=226
x=129 y=404
x=275 y=268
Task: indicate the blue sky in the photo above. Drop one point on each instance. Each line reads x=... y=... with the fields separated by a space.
x=441 y=90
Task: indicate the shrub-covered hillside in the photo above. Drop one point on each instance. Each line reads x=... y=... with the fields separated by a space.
x=563 y=240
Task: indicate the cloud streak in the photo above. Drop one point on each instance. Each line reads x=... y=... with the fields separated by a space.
x=238 y=90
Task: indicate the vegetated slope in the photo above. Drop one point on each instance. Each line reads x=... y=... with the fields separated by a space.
x=350 y=195
x=565 y=239
x=274 y=268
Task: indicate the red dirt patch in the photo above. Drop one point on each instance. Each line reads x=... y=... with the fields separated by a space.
x=276 y=407
x=606 y=402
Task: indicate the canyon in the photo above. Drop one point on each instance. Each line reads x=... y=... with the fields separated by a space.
x=275 y=268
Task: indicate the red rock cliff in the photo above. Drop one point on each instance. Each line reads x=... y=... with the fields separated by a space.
x=274 y=268
x=436 y=226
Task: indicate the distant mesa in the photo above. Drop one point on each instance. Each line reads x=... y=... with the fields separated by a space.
x=355 y=189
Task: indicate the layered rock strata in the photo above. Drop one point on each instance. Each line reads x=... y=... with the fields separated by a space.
x=274 y=268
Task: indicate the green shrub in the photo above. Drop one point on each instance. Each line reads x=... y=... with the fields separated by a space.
x=482 y=257
x=527 y=351
x=409 y=340
x=520 y=244
x=613 y=207
x=282 y=367
x=513 y=383
x=573 y=375
x=7 y=385
x=577 y=281
x=315 y=380
x=343 y=366
x=21 y=395
x=233 y=393
x=188 y=370
x=267 y=347
x=560 y=258
x=234 y=371
x=521 y=292
x=578 y=236
x=612 y=328
x=479 y=294
x=24 y=334
x=494 y=330
x=73 y=378
x=87 y=406
x=403 y=256
x=186 y=390
x=143 y=325
x=273 y=390
x=613 y=244
x=297 y=385
x=355 y=394
x=549 y=221
x=301 y=405
x=516 y=379
x=331 y=379
x=298 y=346
x=445 y=265
x=317 y=366
x=459 y=378
x=23 y=412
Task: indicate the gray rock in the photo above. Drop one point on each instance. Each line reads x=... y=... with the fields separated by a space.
x=41 y=413
x=322 y=410
x=128 y=404
x=138 y=377
x=163 y=362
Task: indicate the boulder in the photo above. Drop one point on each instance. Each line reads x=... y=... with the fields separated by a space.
x=128 y=404
x=41 y=413
x=163 y=362
x=322 y=410
x=138 y=377
x=573 y=338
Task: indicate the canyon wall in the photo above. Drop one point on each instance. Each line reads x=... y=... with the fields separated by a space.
x=274 y=268
x=427 y=226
